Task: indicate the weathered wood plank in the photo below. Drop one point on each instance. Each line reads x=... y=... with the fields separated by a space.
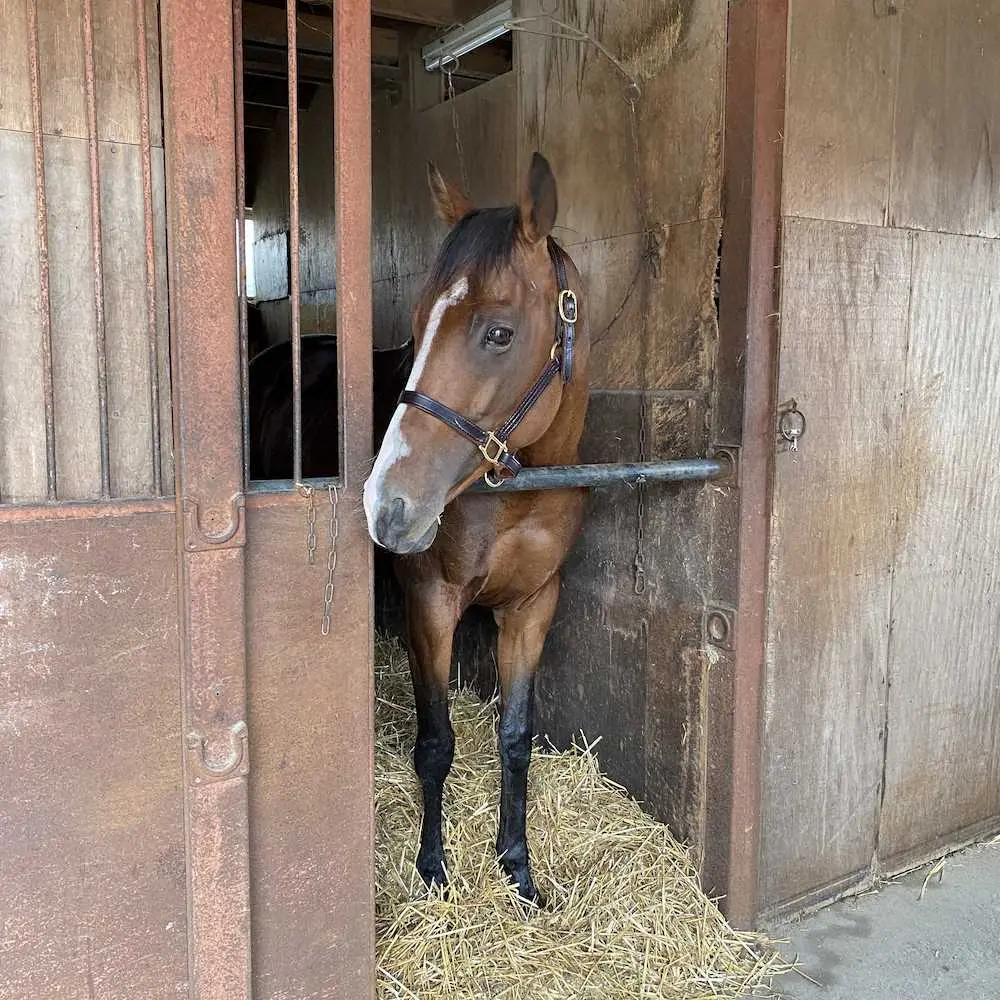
x=15 y=79
x=947 y=174
x=116 y=69
x=574 y=109
x=22 y=406
x=943 y=763
x=162 y=325
x=672 y=297
x=74 y=324
x=844 y=313
x=126 y=323
x=842 y=59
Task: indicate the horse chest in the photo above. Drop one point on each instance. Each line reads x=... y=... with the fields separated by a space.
x=511 y=555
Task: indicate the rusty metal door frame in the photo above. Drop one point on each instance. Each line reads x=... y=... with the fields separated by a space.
x=747 y=375
x=199 y=140
x=199 y=42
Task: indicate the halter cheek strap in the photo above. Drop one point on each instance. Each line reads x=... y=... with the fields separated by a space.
x=493 y=444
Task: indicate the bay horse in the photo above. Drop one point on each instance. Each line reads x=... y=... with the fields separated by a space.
x=499 y=344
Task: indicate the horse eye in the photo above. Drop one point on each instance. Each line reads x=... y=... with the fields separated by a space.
x=499 y=336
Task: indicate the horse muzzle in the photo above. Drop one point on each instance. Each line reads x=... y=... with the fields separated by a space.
x=396 y=524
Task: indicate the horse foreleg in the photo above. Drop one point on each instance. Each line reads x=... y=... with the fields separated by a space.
x=522 y=631
x=431 y=617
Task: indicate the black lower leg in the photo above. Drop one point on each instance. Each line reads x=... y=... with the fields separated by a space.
x=516 y=725
x=432 y=757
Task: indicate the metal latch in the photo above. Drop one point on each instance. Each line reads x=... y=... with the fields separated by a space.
x=791 y=424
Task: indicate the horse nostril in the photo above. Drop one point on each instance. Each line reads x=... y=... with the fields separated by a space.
x=391 y=519
x=397 y=512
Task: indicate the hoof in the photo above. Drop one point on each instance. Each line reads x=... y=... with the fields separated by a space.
x=520 y=877
x=432 y=870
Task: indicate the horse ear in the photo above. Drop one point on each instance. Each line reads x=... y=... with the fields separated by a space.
x=449 y=201
x=539 y=203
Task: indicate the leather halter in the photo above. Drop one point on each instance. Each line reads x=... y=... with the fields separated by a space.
x=493 y=444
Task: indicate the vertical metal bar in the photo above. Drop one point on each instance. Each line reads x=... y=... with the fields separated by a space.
x=352 y=161
x=95 y=222
x=293 y=236
x=147 y=207
x=352 y=166
x=241 y=248
x=42 y=218
x=755 y=110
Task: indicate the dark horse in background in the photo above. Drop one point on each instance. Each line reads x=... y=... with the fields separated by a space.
x=270 y=412
x=499 y=345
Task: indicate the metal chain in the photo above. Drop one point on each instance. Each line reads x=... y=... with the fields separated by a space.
x=310 y=494
x=452 y=66
x=331 y=557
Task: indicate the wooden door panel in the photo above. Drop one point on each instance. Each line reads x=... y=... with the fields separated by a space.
x=943 y=746
x=843 y=344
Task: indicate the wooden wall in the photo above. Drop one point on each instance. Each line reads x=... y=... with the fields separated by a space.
x=882 y=707
x=50 y=282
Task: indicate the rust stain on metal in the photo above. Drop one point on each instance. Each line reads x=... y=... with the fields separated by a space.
x=43 y=250
x=97 y=244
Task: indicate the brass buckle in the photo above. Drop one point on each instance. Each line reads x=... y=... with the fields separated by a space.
x=567 y=298
x=501 y=449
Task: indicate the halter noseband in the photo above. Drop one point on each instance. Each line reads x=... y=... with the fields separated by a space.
x=493 y=444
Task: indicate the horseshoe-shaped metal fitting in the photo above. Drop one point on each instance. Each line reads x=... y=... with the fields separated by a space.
x=236 y=762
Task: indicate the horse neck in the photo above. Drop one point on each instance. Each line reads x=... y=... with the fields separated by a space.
x=559 y=445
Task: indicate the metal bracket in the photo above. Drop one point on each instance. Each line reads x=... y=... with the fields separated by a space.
x=231 y=535
x=730 y=454
x=235 y=764
x=718 y=626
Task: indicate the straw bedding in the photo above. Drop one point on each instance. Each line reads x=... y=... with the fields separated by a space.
x=626 y=918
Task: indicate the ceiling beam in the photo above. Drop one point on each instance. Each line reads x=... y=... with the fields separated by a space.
x=267 y=26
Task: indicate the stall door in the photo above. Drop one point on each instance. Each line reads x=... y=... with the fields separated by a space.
x=185 y=791
x=883 y=689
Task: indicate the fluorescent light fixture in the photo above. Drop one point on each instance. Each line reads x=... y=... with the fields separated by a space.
x=480 y=30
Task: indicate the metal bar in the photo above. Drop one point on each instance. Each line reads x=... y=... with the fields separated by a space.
x=41 y=216
x=96 y=242
x=241 y=248
x=293 y=237
x=755 y=110
x=147 y=208
x=557 y=477
x=352 y=166
x=60 y=510
x=479 y=31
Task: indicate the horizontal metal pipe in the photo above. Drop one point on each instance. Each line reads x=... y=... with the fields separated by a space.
x=555 y=477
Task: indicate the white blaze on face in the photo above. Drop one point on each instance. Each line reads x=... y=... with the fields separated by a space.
x=394 y=445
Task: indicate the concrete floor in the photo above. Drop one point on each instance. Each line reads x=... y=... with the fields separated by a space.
x=891 y=945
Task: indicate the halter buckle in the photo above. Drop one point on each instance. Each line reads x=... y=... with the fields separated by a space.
x=567 y=305
x=496 y=459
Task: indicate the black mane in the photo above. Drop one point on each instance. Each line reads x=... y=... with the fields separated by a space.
x=480 y=244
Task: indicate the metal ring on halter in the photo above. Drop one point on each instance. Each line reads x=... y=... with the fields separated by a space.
x=567 y=297
x=494 y=483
